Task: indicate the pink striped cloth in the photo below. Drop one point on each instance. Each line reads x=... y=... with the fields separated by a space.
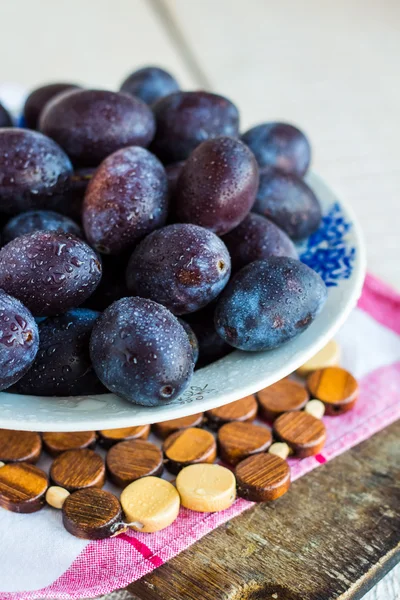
x=371 y=350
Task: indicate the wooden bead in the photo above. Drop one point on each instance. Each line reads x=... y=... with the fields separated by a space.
x=109 y=437
x=283 y=396
x=335 y=387
x=19 y=446
x=56 y=496
x=238 y=440
x=305 y=434
x=128 y=461
x=92 y=514
x=316 y=408
x=206 y=488
x=241 y=410
x=77 y=469
x=55 y=442
x=150 y=504
x=329 y=356
x=189 y=446
x=164 y=429
x=279 y=449
x=22 y=487
x=262 y=477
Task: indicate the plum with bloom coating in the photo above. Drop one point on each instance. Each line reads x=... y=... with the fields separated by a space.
x=141 y=352
x=19 y=340
x=268 y=302
x=62 y=366
x=49 y=271
x=126 y=199
x=279 y=145
x=182 y=266
x=256 y=237
x=149 y=84
x=218 y=185
x=186 y=119
x=39 y=220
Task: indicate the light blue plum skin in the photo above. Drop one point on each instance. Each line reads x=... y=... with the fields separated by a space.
x=269 y=302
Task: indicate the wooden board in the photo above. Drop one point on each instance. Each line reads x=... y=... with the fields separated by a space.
x=333 y=536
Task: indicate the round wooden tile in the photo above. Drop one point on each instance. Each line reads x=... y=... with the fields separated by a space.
x=241 y=410
x=164 y=429
x=55 y=443
x=302 y=432
x=19 y=446
x=238 y=440
x=128 y=461
x=92 y=514
x=22 y=487
x=329 y=356
x=206 y=488
x=150 y=504
x=77 y=469
x=262 y=477
x=189 y=446
x=283 y=396
x=335 y=387
x=109 y=437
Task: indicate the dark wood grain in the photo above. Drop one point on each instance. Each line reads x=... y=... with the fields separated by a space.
x=128 y=461
x=335 y=387
x=78 y=469
x=19 y=446
x=262 y=478
x=56 y=442
x=331 y=537
x=283 y=396
x=237 y=441
x=305 y=434
x=22 y=487
x=188 y=447
x=240 y=410
x=92 y=514
x=164 y=429
x=109 y=437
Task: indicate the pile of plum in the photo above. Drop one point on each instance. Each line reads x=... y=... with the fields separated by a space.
x=170 y=231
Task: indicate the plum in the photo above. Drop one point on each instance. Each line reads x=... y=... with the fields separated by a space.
x=141 y=352
x=268 y=302
x=49 y=271
x=38 y=220
x=39 y=97
x=19 y=340
x=150 y=84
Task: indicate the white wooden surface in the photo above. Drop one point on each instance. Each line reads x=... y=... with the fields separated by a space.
x=331 y=67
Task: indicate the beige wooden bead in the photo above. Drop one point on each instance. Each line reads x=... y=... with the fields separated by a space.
x=279 y=449
x=2 y=464
x=316 y=408
x=206 y=488
x=150 y=504
x=329 y=356
x=56 y=496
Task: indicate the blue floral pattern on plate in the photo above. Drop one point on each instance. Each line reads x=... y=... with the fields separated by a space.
x=327 y=250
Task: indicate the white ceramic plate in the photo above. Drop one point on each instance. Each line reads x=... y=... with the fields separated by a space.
x=336 y=251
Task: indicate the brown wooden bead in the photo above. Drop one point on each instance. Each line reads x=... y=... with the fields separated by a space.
x=189 y=446
x=241 y=410
x=128 y=461
x=22 y=487
x=305 y=434
x=283 y=396
x=92 y=514
x=335 y=387
x=77 y=469
x=56 y=442
x=109 y=437
x=19 y=446
x=262 y=477
x=164 y=429
x=237 y=441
